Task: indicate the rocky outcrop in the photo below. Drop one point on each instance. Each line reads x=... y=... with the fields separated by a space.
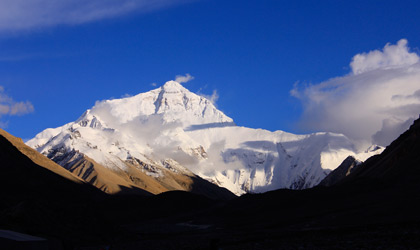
x=345 y=168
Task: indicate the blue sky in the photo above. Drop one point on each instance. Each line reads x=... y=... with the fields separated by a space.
x=63 y=58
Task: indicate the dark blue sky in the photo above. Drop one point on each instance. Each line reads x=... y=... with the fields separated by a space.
x=251 y=52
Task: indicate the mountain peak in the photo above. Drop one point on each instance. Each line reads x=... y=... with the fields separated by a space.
x=176 y=103
x=172 y=102
x=173 y=86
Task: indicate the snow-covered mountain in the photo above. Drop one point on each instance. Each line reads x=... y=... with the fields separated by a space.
x=172 y=129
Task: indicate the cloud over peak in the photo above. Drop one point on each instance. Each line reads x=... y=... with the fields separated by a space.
x=184 y=79
x=376 y=102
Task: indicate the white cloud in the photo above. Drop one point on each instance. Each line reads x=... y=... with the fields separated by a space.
x=10 y=107
x=392 y=56
x=376 y=102
x=16 y=15
x=183 y=79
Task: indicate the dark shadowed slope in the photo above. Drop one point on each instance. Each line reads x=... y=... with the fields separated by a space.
x=39 y=197
x=398 y=165
x=13 y=154
x=26 y=173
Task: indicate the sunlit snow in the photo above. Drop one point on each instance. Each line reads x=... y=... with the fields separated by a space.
x=171 y=124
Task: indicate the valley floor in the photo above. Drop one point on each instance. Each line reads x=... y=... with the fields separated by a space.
x=176 y=236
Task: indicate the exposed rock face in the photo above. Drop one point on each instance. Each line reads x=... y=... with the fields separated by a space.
x=345 y=168
x=137 y=176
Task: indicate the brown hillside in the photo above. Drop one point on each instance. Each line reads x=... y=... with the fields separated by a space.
x=38 y=158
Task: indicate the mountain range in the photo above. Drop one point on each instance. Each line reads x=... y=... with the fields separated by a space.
x=162 y=139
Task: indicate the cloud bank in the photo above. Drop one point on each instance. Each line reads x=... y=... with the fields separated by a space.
x=376 y=102
x=17 y=15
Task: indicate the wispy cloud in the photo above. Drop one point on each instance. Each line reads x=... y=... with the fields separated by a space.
x=8 y=106
x=18 y=15
x=183 y=79
x=212 y=98
x=376 y=102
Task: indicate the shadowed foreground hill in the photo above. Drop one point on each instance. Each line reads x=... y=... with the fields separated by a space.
x=398 y=165
x=38 y=196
